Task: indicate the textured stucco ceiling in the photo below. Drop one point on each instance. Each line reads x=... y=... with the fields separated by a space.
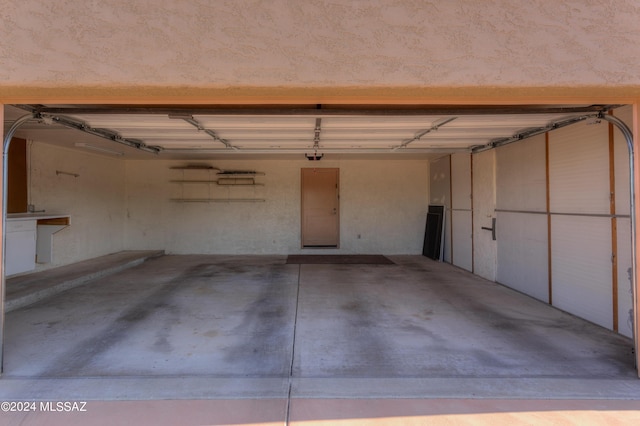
x=321 y=44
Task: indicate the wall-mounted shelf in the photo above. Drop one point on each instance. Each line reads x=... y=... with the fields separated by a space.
x=240 y=173
x=212 y=180
x=193 y=181
x=195 y=167
x=219 y=200
x=223 y=182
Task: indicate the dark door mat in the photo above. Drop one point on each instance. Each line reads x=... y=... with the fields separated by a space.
x=339 y=259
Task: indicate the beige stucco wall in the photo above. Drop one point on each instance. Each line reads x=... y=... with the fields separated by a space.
x=320 y=50
x=383 y=202
x=94 y=200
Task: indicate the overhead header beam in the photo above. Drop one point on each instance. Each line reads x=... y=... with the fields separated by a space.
x=315 y=110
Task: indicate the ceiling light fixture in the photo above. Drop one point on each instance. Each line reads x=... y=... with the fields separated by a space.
x=99 y=149
x=314 y=157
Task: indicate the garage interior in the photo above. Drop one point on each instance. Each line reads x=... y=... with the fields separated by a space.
x=166 y=171
x=536 y=212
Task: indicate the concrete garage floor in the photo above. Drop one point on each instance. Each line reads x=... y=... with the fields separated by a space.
x=253 y=340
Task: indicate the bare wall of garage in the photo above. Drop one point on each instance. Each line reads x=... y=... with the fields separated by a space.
x=117 y=205
x=95 y=200
x=383 y=206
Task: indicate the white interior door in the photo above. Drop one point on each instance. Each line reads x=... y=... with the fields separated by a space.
x=484 y=210
x=320 y=214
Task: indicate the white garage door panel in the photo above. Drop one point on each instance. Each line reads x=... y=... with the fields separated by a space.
x=579 y=169
x=484 y=205
x=461 y=230
x=461 y=181
x=521 y=181
x=625 y=296
x=522 y=253
x=461 y=239
x=446 y=246
x=581 y=267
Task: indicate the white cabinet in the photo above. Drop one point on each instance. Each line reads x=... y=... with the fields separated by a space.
x=29 y=239
x=21 y=246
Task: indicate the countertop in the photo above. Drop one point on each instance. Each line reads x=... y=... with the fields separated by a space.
x=34 y=216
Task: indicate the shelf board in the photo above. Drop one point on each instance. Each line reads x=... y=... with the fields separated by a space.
x=220 y=171
x=216 y=182
x=195 y=168
x=218 y=200
x=240 y=184
x=193 y=181
x=240 y=173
